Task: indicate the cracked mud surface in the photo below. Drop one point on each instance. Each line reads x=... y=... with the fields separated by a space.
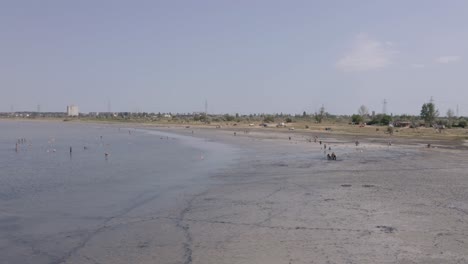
x=280 y=201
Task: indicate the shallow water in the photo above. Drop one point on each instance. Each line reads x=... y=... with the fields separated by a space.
x=52 y=201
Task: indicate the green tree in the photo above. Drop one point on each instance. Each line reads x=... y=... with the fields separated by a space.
x=385 y=120
x=357 y=119
x=228 y=117
x=429 y=113
x=320 y=115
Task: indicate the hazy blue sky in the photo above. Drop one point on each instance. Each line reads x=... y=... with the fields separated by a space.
x=242 y=56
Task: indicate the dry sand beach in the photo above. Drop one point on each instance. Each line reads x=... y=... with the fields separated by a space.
x=281 y=201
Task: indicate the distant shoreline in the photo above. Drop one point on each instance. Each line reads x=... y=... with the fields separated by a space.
x=451 y=137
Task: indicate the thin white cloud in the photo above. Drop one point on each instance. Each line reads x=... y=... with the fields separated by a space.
x=367 y=54
x=417 y=65
x=447 y=59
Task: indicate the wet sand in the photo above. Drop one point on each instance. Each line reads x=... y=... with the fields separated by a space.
x=282 y=201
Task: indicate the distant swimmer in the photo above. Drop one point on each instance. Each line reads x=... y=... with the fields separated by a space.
x=357 y=143
x=289 y=138
x=70 y=149
x=85 y=147
x=328 y=156
x=329 y=148
x=320 y=142
x=235 y=133
x=333 y=156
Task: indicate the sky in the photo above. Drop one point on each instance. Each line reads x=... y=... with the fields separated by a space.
x=246 y=56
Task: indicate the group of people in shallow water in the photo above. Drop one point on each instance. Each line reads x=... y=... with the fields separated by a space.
x=329 y=157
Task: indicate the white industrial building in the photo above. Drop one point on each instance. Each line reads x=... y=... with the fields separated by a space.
x=72 y=110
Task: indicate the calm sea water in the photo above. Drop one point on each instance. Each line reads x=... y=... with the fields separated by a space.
x=50 y=197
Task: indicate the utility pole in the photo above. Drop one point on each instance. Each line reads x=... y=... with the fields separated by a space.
x=384 y=110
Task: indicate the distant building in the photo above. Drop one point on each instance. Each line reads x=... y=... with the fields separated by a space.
x=72 y=110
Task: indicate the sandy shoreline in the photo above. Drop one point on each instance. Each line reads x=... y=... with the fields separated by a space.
x=285 y=203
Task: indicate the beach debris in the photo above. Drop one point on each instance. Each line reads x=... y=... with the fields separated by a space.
x=346 y=185
x=368 y=185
